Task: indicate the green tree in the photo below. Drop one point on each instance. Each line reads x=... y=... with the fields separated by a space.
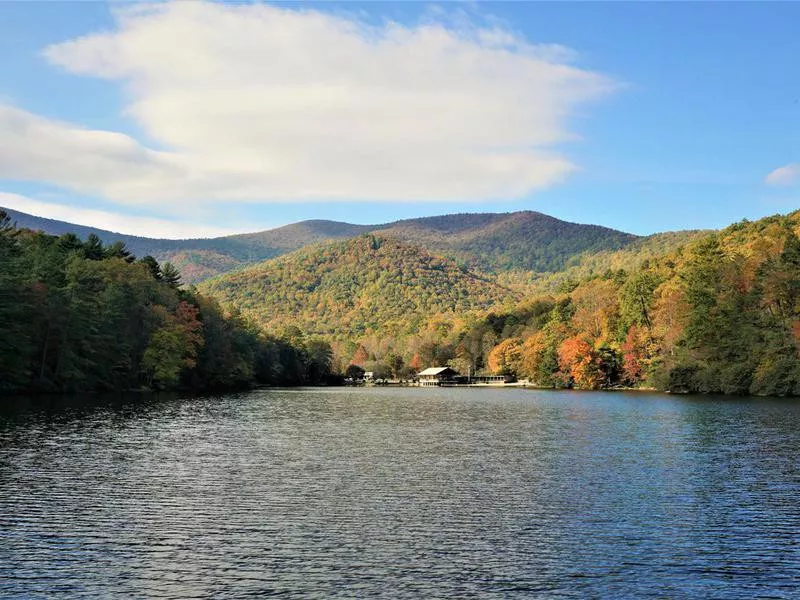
x=319 y=357
x=152 y=266
x=119 y=250
x=170 y=275
x=636 y=300
x=15 y=318
x=174 y=346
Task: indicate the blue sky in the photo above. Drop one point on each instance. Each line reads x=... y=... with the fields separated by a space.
x=186 y=120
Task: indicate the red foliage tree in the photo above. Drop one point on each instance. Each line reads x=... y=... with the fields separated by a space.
x=632 y=367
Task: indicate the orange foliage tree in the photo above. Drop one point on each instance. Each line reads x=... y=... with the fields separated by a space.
x=579 y=361
x=506 y=357
x=539 y=361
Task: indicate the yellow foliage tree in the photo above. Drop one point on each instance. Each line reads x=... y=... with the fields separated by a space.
x=596 y=309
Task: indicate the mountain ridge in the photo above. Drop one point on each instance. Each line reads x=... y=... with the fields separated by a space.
x=490 y=242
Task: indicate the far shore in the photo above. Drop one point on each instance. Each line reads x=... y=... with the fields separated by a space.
x=512 y=384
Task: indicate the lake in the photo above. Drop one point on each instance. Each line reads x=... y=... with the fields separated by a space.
x=318 y=493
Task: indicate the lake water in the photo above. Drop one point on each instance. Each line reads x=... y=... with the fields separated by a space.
x=318 y=493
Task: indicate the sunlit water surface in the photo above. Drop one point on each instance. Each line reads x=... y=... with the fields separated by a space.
x=401 y=493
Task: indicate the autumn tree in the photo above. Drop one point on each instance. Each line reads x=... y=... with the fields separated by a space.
x=506 y=357
x=539 y=361
x=360 y=356
x=634 y=357
x=578 y=362
x=596 y=309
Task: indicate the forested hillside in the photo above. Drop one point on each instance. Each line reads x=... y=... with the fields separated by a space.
x=491 y=242
x=81 y=315
x=367 y=284
x=721 y=315
x=592 y=264
x=526 y=240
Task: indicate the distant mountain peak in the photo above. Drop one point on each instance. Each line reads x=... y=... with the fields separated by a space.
x=489 y=242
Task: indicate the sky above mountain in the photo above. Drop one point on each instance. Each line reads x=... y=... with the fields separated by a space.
x=188 y=119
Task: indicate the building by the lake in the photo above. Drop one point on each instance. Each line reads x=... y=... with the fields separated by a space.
x=433 y=376
x=436 y=376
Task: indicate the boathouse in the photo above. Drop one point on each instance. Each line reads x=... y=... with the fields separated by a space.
x=433 y=376
x=490 y=379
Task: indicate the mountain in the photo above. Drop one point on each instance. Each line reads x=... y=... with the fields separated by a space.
x=488 y=242
x=379 y=283
x=368 y=283
x=496 y=242
x=200 y=258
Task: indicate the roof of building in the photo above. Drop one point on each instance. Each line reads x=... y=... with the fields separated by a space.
x=435 y=370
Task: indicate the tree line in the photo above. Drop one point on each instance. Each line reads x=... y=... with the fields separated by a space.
x=718 y=315
x=85 y=316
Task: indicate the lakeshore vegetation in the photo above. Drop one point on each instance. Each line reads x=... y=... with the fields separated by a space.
x=79 y=315
x=712 y=312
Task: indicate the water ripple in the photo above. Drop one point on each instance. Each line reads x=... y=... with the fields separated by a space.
x=400 y=493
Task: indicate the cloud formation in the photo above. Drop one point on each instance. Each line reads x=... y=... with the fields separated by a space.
x=115 y=222
x=259 y=103
x=786 y=175
x=93 y=162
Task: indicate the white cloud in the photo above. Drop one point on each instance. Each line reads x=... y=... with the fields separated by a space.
x=259 y=103
x=115 y=222
x=88 y=161
x=786 y=175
